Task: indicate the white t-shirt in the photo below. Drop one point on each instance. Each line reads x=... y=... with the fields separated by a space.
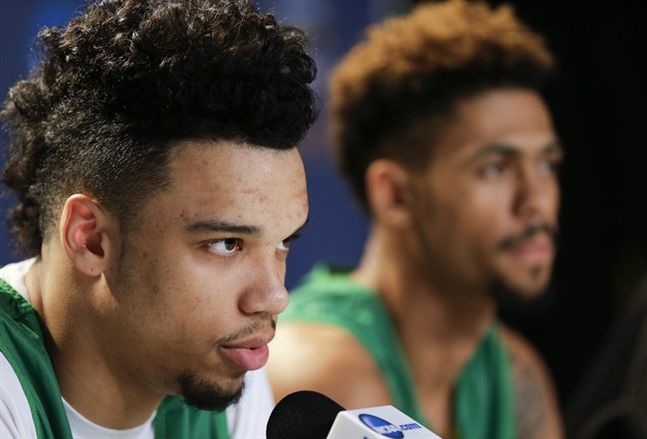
x=246 y=419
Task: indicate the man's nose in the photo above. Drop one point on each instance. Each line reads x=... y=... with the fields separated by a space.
x=537 y=194
x=266 y=292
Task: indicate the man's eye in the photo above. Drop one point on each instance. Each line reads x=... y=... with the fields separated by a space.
x=549 y=166
x=284 y=246
x=493 y=170
x=225 y=247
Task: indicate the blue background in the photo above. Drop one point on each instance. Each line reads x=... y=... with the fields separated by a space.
x=337 y=227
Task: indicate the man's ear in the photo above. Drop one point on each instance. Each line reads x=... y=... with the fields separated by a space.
x=85 y=234
x=388 y=192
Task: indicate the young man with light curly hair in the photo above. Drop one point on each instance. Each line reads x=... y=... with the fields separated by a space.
x=441 y=130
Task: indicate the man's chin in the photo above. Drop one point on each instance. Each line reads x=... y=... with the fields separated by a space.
x=520 y=289
x=208 y=395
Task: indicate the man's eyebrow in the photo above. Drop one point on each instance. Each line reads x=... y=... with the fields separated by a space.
x=508 y=150
x=554 y=146
x=210 y=226
x=298 y=231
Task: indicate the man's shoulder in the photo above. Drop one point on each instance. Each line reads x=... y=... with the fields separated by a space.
x=521 y=350
x=327 y=359
x=527 y=365
x=535 y=400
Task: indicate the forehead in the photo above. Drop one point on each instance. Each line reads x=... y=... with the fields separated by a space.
x=234 y=182
x=516 y=117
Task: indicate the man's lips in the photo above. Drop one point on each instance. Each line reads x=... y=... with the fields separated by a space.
x=537 y=249
x=250 y=354
x=535 y=244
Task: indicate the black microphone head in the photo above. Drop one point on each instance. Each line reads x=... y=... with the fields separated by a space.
x=302 y=415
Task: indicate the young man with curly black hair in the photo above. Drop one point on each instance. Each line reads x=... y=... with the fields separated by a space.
x=152 y=155
x=440 y=128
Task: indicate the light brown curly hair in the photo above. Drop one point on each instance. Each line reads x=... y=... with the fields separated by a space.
x=414 y=68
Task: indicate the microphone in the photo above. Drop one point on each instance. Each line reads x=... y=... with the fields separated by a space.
x=301 y=415
x=311 y=415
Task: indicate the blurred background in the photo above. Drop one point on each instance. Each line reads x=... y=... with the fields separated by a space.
x=599 y=102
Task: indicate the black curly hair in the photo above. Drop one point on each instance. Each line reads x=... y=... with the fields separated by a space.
x=125 y=80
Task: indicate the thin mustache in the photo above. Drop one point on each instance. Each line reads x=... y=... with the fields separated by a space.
x=527 y=234
x=255 y=327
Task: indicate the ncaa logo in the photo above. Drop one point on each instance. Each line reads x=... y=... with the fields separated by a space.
x=379 y=425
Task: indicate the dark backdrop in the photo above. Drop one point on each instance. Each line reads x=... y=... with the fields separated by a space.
x=599 y=103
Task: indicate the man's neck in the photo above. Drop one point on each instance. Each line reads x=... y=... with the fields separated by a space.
x=89 y=371
x=439 y=329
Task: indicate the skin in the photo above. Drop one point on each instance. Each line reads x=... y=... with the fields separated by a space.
x=490 y=181
x=480 y=215
x=200 y=271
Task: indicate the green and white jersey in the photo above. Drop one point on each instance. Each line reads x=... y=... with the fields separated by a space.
x=31 y=405
x=483 y=403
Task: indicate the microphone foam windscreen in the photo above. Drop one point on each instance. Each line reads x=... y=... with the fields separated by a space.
x=302 y=415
